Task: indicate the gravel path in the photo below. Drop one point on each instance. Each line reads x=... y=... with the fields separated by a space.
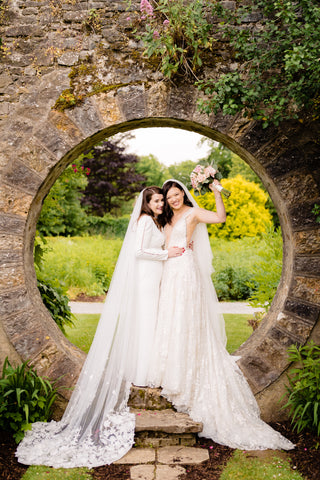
x=226 y=307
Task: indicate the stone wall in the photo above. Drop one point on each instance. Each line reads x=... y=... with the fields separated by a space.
x=54 y=57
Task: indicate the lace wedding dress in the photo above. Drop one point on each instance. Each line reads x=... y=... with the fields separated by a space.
x=97 y=427
x=190 y=360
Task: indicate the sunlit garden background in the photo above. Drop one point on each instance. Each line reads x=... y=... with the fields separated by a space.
x=85 y=216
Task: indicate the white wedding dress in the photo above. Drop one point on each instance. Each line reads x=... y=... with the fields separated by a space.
x=151 y=256
x=97 y=427
x=190 y=360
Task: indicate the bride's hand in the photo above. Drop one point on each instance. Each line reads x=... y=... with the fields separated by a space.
x=175 y=252
x=212 y=185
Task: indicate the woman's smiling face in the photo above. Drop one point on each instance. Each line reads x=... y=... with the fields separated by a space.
x=175 y=198
x=156 y=204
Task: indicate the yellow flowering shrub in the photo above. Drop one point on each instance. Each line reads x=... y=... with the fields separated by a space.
x=246 y=212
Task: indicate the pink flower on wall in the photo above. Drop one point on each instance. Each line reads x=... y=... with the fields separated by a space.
x=146 y=8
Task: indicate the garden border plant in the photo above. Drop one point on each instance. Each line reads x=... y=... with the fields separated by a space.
x=25 y=398
x=303 y=391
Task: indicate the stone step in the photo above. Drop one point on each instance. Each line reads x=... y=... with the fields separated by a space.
x=168 y=421
x=164 y=428
x=147 y=398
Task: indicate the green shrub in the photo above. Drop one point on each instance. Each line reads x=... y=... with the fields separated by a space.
x=24 y=398
x=108 y=225
x=81 y=264
x=304 y=387
x=267 y=270
x=316 y=212
x=247 y=215
x=62 y=213
x=234 y=284
x=53 y=292
x=56 y=302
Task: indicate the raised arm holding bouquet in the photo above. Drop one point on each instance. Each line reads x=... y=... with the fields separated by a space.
x=202 y=177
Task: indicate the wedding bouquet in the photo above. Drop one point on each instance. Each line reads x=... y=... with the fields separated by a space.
x=201 y=177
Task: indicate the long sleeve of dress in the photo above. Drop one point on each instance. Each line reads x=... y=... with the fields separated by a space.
x=147 y=241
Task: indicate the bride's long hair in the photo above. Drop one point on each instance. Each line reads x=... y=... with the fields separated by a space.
x=168 y=213
x=145 y=209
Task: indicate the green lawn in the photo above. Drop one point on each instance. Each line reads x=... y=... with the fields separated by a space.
x=39 y=472
x=242 y=466
x=82 y=333
x=237 y=329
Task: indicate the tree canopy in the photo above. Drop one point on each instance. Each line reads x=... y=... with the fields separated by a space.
x=113 y=177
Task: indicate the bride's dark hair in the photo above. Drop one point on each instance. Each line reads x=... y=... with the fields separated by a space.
x=146 y=210
x=168 y=213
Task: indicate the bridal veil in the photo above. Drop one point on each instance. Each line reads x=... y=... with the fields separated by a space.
x=97 y=427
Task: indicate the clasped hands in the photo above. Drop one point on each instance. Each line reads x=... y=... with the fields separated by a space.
x=178 y=251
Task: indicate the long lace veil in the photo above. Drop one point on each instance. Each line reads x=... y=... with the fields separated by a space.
x=203 y=253
x=97 y=427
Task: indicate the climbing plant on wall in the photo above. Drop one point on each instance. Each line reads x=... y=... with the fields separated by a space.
x=276 y=43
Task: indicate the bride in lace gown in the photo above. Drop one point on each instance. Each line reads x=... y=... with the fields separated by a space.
x=190 y=360
x=97 y=427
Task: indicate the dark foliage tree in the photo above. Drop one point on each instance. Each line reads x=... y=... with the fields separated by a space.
x=113 y=178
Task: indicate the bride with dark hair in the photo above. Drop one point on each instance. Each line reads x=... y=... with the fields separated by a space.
x=190 y=361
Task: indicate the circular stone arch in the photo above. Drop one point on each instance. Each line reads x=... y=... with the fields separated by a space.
x=285 y=158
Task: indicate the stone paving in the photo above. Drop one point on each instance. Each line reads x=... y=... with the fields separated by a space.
x=165 y=463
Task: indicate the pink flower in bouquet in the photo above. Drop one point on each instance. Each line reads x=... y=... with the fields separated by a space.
x=210 y=171
x=202 y=177
x=194 y=182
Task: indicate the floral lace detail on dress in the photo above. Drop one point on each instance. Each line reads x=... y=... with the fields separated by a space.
x=191 y=363
x=55 y=444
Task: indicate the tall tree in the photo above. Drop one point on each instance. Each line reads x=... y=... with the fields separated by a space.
x=61 y=213
x=154 y=171
x=113 y=177
x=181 y=171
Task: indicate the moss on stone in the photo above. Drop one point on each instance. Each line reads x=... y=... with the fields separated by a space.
x=67 y=99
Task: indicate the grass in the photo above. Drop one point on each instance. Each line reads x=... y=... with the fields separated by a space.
x=39 y=472
x=237 y=330
x=243 y=467
x=82 y=333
